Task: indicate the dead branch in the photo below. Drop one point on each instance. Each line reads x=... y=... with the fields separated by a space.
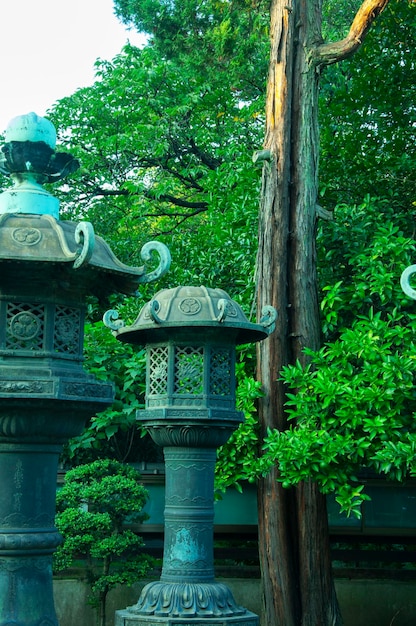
x=330 y=53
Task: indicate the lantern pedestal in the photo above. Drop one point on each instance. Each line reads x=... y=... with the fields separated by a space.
x=187 y=592
x=27 y=533
x=28 y=536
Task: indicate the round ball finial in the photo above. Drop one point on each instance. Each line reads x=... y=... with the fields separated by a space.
x=31 y=127
x=29 y=157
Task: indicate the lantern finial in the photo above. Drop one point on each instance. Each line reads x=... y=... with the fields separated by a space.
x=29 y=157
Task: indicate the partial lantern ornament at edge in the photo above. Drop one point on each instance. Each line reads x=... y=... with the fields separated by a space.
x=405 y=281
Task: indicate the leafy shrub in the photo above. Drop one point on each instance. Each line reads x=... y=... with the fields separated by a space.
x=354 y=404
x=237 y=459
x=97 y=499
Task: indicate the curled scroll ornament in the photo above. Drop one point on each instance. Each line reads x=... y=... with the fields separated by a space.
x=112 y=321
x=154 y=308
x=405 y=281
x=268 y=318
x=85 y=237
x=222 y=309
x=165 y=260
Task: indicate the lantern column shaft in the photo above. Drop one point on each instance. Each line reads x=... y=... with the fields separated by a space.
x=189 y=515
x=28 y=535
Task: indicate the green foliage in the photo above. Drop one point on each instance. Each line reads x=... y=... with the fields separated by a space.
x=176 y=166
x=237 y=458
x=362 y=253
x=219 y=250
x=94 y=503
x=113 y=432
x=368 y=112
x=210 y=36
x=354 y=405
x=338 y=17
x=152 y=167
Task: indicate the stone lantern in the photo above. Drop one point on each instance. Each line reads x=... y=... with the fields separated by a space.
x=48 y=268
x=190 y=335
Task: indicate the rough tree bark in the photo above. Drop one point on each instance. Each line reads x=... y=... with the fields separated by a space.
x=298 y=587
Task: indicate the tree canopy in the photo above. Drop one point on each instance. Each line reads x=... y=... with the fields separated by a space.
x=166 y=147
x=159 y=147
x=367 y=116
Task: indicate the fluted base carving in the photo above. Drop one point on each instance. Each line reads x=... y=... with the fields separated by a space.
x=188 y=604
x=187 y=600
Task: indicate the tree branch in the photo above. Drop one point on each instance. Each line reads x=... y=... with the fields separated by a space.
x=327 y=54
x=211 y=162
x=175 y=214
x=183 y=219
x=187 y=204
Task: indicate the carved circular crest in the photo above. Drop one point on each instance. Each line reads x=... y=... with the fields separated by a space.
x=25 y=325
x=27 y=236
x=190 y=306
x=66 y=328
x=231 y=310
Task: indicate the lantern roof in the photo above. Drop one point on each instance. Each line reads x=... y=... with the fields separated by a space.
x=184 y=311
x=30 y=229
x=41 y=240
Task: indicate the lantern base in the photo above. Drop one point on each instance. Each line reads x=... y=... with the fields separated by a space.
x=190 y=604
x=125 y=618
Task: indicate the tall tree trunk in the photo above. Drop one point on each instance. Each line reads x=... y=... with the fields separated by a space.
x=298 y=587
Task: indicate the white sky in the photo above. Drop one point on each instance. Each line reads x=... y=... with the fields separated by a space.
x=48 y=49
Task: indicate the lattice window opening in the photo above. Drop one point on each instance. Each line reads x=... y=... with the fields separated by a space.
x=25 y=325
x=158 y=371
x=189 y=371
x=67 y=330
x=221 y=373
